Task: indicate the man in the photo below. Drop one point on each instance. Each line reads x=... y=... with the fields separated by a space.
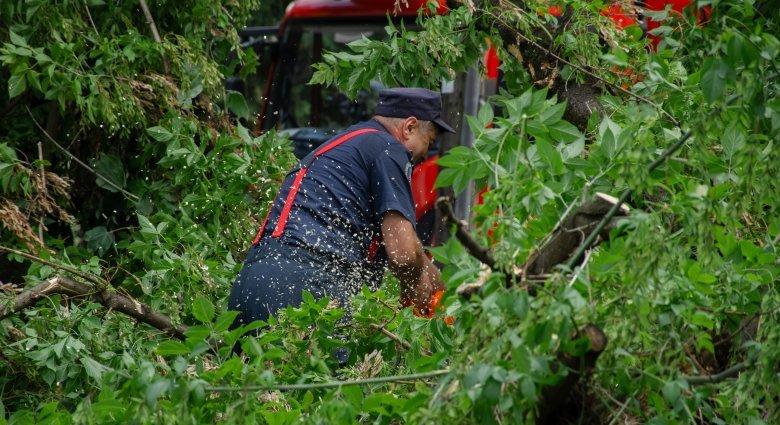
x=344 y=213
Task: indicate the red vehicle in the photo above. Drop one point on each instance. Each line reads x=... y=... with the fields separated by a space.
x=310 y=114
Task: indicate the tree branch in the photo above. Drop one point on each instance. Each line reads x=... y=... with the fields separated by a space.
x=557 y=400
x=563 y=240
x=718 y=377
x=153 y=28
x=69 y=269
x=396 y=338
x=623 y=197
x=508 y=28
x=108 y=298
x=336 y=384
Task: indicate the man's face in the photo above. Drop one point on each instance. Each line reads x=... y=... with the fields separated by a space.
x=419 y=138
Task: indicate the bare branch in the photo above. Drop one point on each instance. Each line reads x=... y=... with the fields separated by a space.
x=69 y=269
x=89 y=15
x=731 y=372
x=153 y=28
x=392 y=336
x=335 y=384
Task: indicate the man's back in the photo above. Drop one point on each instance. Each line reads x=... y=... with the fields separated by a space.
x=339 y=206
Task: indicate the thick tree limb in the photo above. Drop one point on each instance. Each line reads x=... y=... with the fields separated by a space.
x=108 y=298
x=623 y=197
x=571 y=233
x=565 y=239
x=557 y=400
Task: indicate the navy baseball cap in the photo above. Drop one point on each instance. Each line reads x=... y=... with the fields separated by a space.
x=404 y=102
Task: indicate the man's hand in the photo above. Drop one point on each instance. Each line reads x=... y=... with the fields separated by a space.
x=426 y=295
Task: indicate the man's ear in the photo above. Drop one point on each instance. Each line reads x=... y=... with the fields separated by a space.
x=409 y=125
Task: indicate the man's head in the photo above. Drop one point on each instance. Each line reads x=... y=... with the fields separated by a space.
x=416 y=135
x=413 y=116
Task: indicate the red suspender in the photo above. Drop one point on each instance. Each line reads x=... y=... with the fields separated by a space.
x=296 y=185
x=288 y=202
x=259 y=234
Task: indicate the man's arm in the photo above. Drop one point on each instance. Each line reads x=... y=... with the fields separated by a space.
x=418 y=276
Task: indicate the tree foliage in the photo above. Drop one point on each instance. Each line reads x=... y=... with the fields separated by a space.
x=685 y=288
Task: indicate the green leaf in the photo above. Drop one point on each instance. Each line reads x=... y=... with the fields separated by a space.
x=564 y=131
x=146 y=226
x=713 y=80
x=237 y=104
x=16 y=85
x=733 y=140
x=94 y=369
x=99 y=240
x=17 y=39
x=110 y=167
x=172 y=348
x=550 y=155
x=155 y=391
x=703 y=319
x=485 y=115
x=704 y=342
x=203 y=309
x=159 y=133
x=609 y=133
x=553 y=114
x=224 y=321
x=671 y=391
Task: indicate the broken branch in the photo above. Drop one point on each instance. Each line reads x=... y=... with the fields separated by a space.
x=108 y=298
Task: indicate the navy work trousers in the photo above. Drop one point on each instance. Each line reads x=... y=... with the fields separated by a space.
x=274 y=276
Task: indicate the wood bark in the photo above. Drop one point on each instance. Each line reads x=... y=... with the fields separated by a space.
x=543 y=65
x=571 y=232
x=559 y=403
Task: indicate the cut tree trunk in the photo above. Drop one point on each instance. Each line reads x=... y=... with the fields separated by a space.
x=560 y=403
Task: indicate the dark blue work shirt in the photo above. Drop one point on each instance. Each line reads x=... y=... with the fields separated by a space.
x=345 y=193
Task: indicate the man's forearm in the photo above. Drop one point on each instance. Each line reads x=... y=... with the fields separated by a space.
x=409 y=272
